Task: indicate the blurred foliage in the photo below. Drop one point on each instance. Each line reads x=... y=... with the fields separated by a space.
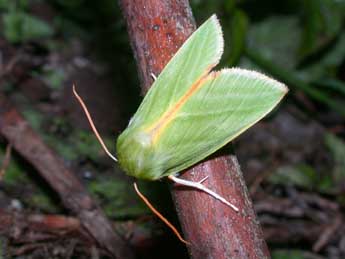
x=14 y=172
x=117 y=201
x=238 y=29
x=322 y=23
x=54 y=78
x=304 y=176
x=78 y=143
x=300 y=175
x=42 y=200
x=120 y=201
x=39 y=197
x=3 y=248
x=337 y=148
x=19 y=25
x=288 y=254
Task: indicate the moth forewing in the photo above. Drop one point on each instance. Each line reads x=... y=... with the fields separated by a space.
x=226 y=104
x=197 y=56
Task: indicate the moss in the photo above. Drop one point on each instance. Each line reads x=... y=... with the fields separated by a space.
x=14 y=173
x=118 y=198
x=287 y=254
x=43 y=201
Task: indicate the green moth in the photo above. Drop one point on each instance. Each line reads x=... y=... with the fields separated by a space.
x=190 y=111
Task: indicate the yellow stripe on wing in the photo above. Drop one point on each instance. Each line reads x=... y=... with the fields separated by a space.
x=157 y=128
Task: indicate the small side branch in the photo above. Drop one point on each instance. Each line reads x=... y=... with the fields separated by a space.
x=201 y=187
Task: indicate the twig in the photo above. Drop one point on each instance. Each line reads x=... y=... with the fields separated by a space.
x=199 y=186
x=27 y=248
x=327 y=234
x=6 y=69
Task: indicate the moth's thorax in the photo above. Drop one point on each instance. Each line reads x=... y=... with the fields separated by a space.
x=137 y=155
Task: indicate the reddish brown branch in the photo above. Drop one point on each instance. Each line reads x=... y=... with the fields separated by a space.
x=73 y=194
x=157 y=28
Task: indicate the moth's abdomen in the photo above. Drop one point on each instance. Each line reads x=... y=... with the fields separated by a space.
x=137 y=155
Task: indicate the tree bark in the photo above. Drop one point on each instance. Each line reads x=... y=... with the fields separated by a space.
x=157 y=28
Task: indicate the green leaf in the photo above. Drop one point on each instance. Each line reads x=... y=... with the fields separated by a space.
x=4 y=4
x=19 y=27
x=190 y=112
x=287 y=254
x=303 y=176
x=335 y=85
x=328 y=64
x=41 y=199
x=277 y=39
x=322 y=22
x=117 y=201
x=14 y=173
x=239 y=26
x=300 y=175
x=337 y=148
x=54 y=78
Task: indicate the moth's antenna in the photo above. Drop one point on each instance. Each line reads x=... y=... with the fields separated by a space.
x=145 y=200
x=95 y=131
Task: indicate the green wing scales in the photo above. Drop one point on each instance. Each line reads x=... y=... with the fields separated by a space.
x=196 y=57
x=228 y=103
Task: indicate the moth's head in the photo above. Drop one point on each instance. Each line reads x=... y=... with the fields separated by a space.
x=137 y=156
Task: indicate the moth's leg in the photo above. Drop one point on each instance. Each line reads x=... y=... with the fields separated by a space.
x=153 y=76
x=93 y=127
x=201 y=187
